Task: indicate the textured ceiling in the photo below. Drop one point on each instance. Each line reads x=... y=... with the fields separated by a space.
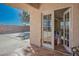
x=35 y=5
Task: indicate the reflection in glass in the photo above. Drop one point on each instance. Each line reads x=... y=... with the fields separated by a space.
x=47 y=29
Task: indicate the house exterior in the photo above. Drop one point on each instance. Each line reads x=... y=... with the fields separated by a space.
x=49 y=8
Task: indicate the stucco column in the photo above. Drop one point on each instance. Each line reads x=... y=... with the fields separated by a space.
x=35 y=27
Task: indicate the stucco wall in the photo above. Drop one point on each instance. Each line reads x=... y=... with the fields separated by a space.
x=75 y=24
x=54 y=6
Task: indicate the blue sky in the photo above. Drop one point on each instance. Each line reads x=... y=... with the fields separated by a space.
x=9 y=15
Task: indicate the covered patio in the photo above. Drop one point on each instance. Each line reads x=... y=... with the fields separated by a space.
x=37 y=11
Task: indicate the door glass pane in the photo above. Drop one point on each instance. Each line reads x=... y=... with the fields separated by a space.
x=46 y=29
x=66 y=22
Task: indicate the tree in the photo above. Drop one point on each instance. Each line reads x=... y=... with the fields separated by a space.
x=25 y=17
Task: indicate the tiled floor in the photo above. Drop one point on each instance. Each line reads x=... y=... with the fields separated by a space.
x=38 y=51
x=61 y=49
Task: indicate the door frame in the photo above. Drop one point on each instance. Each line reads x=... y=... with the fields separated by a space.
x=67 y=11
x=52 y=28
x=70 y=25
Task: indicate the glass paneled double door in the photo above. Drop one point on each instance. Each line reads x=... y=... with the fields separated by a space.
x=66 y=28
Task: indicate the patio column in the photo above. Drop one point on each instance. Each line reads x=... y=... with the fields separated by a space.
x=35 y=27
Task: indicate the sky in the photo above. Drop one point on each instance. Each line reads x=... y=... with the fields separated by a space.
x=9 y=15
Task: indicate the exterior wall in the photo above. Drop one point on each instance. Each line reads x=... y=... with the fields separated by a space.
x=74 y=22
x=75 y=25
x=54 y=6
